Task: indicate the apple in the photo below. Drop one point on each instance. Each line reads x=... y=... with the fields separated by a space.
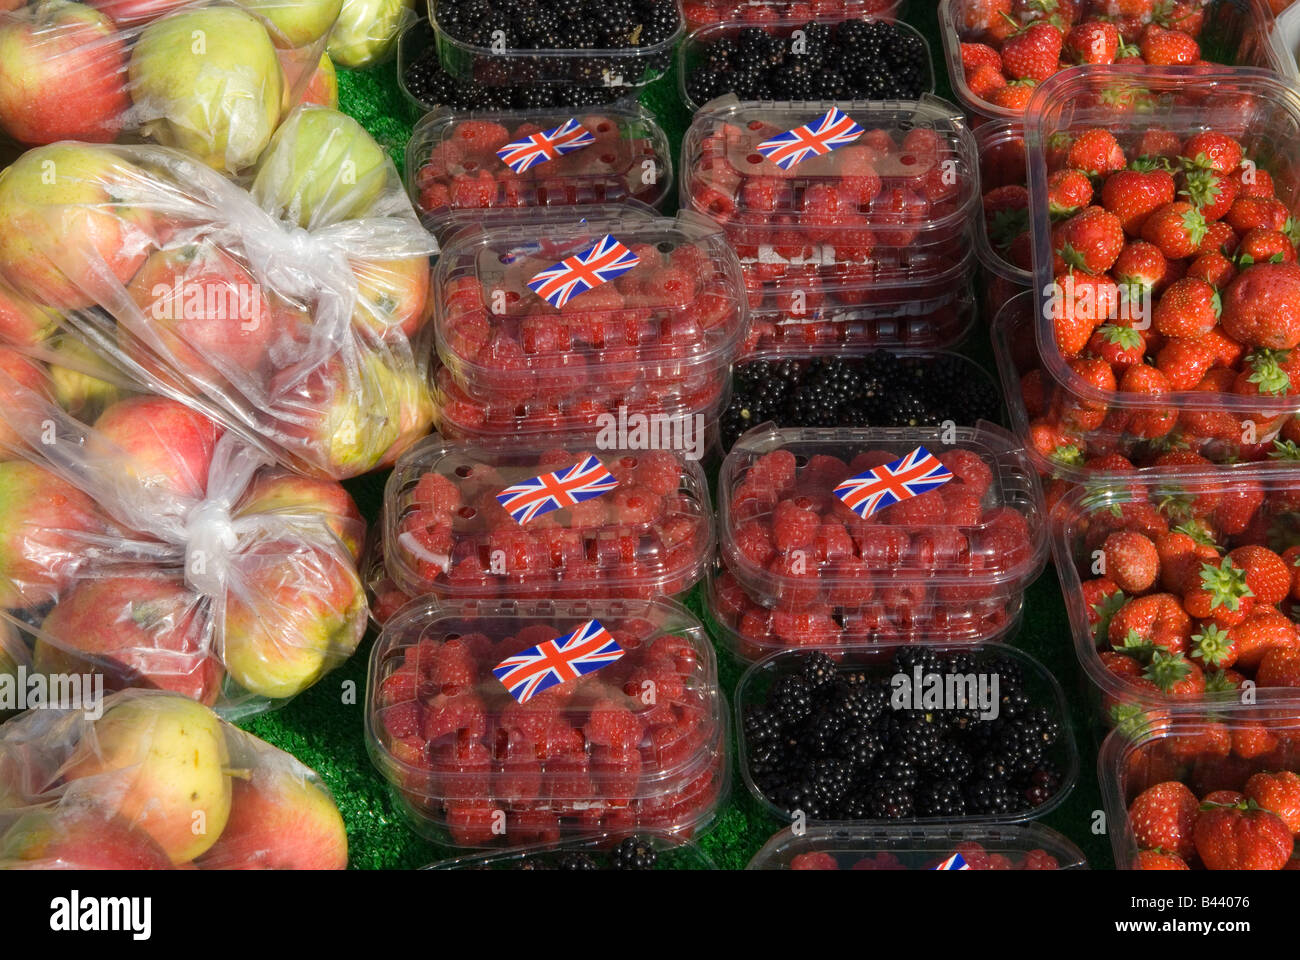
x=6 y=5
x=162 y=445
x=70 y=238
x=323 y=87
x=136 y=11
x=62 y=74
x=12 y=653
x=279 y=820
x=367 y=31
x=79 y=838
x=80 y=380
x=392 y=295
x=294 y=610
x=22 y=322
x=23 y=385
x=295 y=24
x=203 y=311
x=322 y=167
x=415 y=412
x=45 y=529
x=291 y=496
x=138 y=630
x=162 y=760
x=208 y=81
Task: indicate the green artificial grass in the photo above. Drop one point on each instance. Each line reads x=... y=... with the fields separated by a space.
x=323 y=727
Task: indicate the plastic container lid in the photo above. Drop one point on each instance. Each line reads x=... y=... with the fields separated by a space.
x=1003 y=160
x=671 y=853
x=789 y=539
x=447 y=534
x=1186 y=749
x=646 y=729
x=673 y=318
x=454 y=170
x=854 y=847
x=874 y=662
x=758 y=12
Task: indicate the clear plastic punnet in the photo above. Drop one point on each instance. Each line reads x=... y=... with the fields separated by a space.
x=1230 y=32
x=634 y=739
x=293 y=312
x=1230 y=777
x=152 y=549
x=942 y=702
x=625 y=67
x=1011 y=846
x=460 y=164
x=798 y=535
x=759 y=12
x=1002 y=240
x=648 y=312
x=212 y=78
x=643 y=851
x=1181 y=588
x=1217 y=381
x=101 y=786
x=464 y=523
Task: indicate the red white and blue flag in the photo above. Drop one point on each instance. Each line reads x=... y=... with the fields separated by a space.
x=833 y=129
x=546 y=145
x=584 y=270
x=585 y=480
x=955 y=862
x=551 y=662
x=910 y=476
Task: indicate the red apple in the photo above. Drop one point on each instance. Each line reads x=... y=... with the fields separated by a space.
x=323 y=87
x=79 y=838
x=291 y=495
x=23 y=384
x=136 y=11
x=62 y=74
x=139 y=631
x=279 y=820
x=22 y=322
x=392 y=295
x=161 y=444
x=209 y=316
x=44 y=523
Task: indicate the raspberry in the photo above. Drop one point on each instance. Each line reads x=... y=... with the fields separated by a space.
x=564 y=546
x=796 y=579
x=570 y=778
x=939 y=548
x=670 y=287
x=402 y=720
x=516 y=552
x=449 y=664
x=506 y=369
x=529 y=721
x=974 y=855
x=480 y=136
x=814 y=861
x=694 y=262
x=437 y=494
x=559 y=741
x=961 y=504
x=794 y=526
x=805 y=628
x=616 y=773
x=399 y=686
x=881 y=546
x=470 y=824
x=673 y=651
x=761 y=194
x=589 y=514
x=1039 y=860
x=612 y=725
x=544 y=334
x=661 y=679
x=754 y=542
x=635 y=505
x=833 y=542
x=849 y=582
x=533 y=826
x=915 y=511
x=1006 y=537
x=465 y=767
x=446 y=714
x=967 y=467
x=473 y=191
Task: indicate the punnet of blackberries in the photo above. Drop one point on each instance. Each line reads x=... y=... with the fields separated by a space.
x=559 y=24
x=850 y=60
x=831 y=742
x=881 y=389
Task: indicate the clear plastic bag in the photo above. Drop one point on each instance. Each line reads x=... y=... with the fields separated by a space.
x=81 y=790
x=291 y=312
x=213 y=78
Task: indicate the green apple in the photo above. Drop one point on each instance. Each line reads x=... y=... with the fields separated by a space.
x=367 y=31
x=77 y=389
x=162 y=758
x=208 y=81
x=296 y=23
x=322 y=167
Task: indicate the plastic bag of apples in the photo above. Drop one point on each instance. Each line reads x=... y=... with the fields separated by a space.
x=142 y=543
x=291 y=311
x=212 y=77
x=147 y=780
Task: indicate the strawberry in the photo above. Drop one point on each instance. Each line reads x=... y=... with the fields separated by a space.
x=1140 y=266
x=1167 y=48
x=975 y=55
x=1159 y=860
x=1084 y=415
x=985 y=81
x=1177 y=228
x=1157 y=619
x=1267 y=574
x=1263 y=245
x=1261 y=307
x=1034 y=52
x=1131 y=561
x=1184 y=361
x=1175 y=675
x=1182 y=551
x=1221 y=594
x=1094 y=41
x=1247 y=213
x=1158 y=142
x=1211 y=193
x=1133 y=195
x=1278 y=793
x=1242 y=837
x=1259 y=633
x=982 y=16
x=1089 y=241
x=1214 y=268
x=1185 y=15
x=1014 y=96
x=1219 y=238
x=1163 y=817
x=1068 y=192
x=1253 y=182
x=1096 y=152
x=1081 y=304
x=1279 y=667
x=1155 y=420
x=1213 y=151
x=1189 y=308
x=1121 y=347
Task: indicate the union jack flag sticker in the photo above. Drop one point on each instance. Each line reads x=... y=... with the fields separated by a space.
x=585 y=480
x=955 y=862
x=589 y=268
x=552 y=662
x=832 y=130
x=907 y=477
x=547 y=145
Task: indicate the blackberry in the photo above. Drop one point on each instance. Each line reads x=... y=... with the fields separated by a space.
x=428 y=82
x=941 y=798
x=1012 y=703
x=578 y=860
x=661 y=19
x=705 y=84
x=949 y=762
x=861 y=704
x=908 y=409
x=1044 y=784
x=819 y=670
x=791 y=699
x=992 y=797
x=1010 y=675
x=534 y=96
x=1041 y=723
x=1019 y=747
x=860 y=746
x=831 y=780
x=821 y=734
x=907 y=658
x=890 y=800
x=916 y=741
x=896 y=769
x=634 y=853
x=761 y=724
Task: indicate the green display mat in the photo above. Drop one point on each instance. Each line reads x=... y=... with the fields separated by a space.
x=323 y=727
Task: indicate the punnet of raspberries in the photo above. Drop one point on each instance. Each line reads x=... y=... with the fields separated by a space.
x=703 y=12
x=637 y=744
x=1189 y=586
x=828 y=739
x=448 y=533
x=455 y=166
x=972 y=854
x=1000 y=50
x=797 y=60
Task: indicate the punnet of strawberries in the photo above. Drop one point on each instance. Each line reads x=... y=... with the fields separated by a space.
x=999 y=51
x=636 y=744
x=1213 y=794
x=1188 y=586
